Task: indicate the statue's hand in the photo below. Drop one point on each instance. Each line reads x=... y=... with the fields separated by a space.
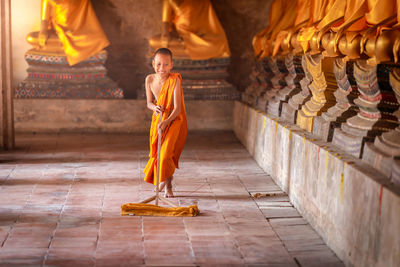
x=43 y=36
x=43 y=33
x=165 y=34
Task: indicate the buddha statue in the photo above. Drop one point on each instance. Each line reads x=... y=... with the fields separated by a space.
x=67 y=59
x=191 y=29
x=69 y=27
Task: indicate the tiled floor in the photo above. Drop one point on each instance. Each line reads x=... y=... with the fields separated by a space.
x=60 y=199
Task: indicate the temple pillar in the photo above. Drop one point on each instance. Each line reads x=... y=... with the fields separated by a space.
x=322 y=94
x=370 y=121
x=344 y=108
x=7 y=140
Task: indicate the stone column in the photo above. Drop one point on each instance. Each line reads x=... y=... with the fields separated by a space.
x=7 y=140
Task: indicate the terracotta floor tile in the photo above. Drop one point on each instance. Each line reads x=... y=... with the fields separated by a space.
x=73 y=185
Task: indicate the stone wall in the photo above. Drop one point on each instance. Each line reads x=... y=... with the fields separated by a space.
x=353 y=207
x=111 y=116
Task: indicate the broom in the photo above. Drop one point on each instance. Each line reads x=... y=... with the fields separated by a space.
x=144 y=208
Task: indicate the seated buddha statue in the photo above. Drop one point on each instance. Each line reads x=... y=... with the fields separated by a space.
x=191 y=29
x=69 y=27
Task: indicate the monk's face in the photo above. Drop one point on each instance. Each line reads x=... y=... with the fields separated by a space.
x=162 y=65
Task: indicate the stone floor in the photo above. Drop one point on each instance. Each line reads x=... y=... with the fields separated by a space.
x=60 y=198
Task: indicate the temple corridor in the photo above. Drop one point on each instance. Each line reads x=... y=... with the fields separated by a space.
x=61 y=198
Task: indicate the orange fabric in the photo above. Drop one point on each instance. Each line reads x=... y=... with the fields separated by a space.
x=335 y=12
x=354 y=9
x=302 y=14
x=78 y=29
x=282 y=14
x=318 y=10
x=198 y=25
x=174 y=136
x=276 y=10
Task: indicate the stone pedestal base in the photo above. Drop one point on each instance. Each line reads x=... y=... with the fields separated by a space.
x=324 y=129
x=50 y=76
x=290 y=109
x=396 y=172
x=204 y=79
x=378 y=159
x=352 y=144
x=381 y=153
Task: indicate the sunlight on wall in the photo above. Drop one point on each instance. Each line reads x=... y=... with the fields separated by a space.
x=25 y=18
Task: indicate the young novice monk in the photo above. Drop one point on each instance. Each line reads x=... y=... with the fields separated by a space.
x=167 y=90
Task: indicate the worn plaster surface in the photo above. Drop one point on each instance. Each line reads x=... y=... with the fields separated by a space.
x=353 y=207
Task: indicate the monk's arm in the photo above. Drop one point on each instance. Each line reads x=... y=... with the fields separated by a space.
x=177 y=106
x=149 y=96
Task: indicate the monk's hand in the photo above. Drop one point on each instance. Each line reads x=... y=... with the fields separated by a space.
x=162 y=125
x=159 y=109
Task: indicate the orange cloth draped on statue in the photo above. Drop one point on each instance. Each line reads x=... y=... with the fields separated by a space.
x=198 y=25
x=282 y=14
x=302 y=15
x=174 y=136
x=318 y=10
x=370 y=12
x=78 y=29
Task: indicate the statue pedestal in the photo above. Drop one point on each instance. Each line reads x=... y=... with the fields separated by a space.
x=374 y=114
x=204 y=79
x=293 y=66
x=277 y=69
x=325 y=124
x=382 y=154
x=290 y=109
x=322 y=91
x=50 y=76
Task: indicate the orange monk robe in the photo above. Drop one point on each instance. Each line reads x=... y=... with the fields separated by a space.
x=173 y=138
x=198 y=25
x=78 y=29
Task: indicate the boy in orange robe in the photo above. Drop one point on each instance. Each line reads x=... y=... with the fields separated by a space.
x=167 y=90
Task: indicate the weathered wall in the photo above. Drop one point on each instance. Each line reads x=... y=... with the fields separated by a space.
x=353 y=207
x=25 y=18
x=111 y=116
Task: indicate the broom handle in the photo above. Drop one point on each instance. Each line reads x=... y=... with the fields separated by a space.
x=158 y=159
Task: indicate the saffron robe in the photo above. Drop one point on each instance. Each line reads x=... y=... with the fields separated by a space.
x=173 y=137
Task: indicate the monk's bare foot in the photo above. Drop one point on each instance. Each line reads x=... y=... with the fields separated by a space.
x=160 y=187
x=168 y=188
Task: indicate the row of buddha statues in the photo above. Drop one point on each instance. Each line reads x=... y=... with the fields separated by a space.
x=331 y=67
x=68 y=56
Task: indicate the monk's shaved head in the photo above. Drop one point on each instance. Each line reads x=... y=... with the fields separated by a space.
x=163 y=51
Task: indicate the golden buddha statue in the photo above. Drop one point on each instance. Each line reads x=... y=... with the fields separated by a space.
x=191 y=29
x=69 y=27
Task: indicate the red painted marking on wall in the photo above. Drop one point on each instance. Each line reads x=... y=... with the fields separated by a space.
x=380 y=200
